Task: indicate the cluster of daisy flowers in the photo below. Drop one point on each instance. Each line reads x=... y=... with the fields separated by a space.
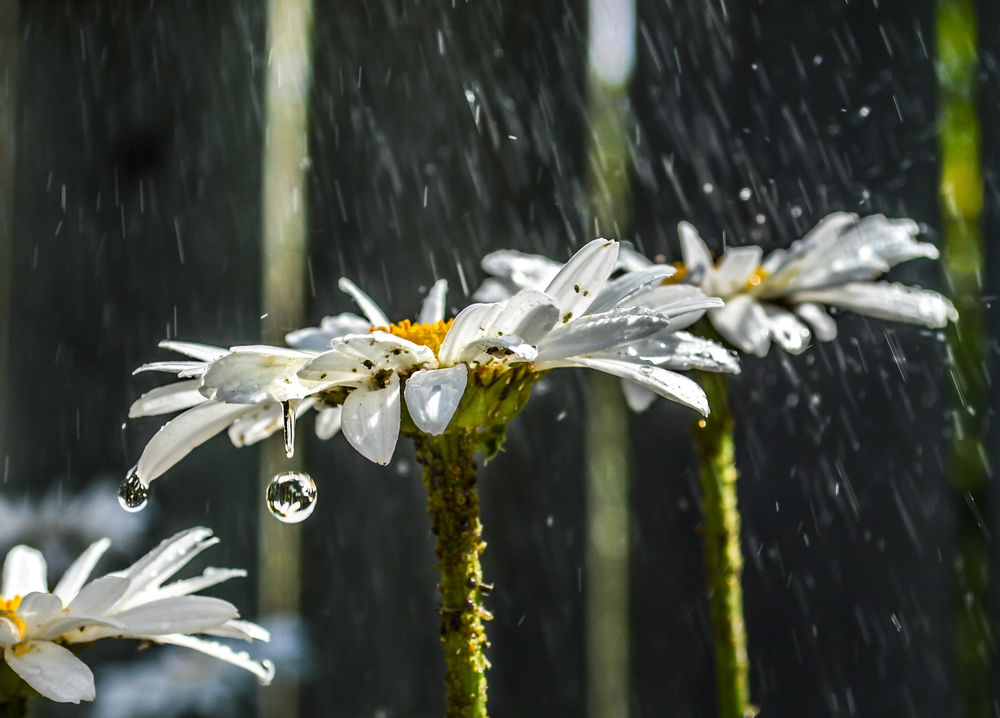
x=371 y=379
x=41 y=631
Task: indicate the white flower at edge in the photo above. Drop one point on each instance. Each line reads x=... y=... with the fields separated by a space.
x=36 y=625
x=782 y=297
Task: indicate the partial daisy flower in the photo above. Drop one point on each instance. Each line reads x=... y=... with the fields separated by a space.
x=251 y=391
x=37 y=625
x=783 y=298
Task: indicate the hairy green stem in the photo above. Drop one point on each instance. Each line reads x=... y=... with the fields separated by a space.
x=453 y=504
x=961 y=200
x=723 y=556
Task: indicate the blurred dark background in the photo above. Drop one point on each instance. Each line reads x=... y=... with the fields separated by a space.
x=441 y=131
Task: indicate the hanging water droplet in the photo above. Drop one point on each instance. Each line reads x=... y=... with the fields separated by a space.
x=291 y=496
x=132 y=495
x=288 y=417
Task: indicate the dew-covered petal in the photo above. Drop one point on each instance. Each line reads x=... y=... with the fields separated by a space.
x=79 y=571
x=619 y=291
x=682 y=304
x=582 y=278
x=262 y=422
x=432 y=396
x=169 y=556
x=178 y=614
x=743 y=324
x=667 y=384
x=694 y=251
x=631 y=260
x=525 y=271
x=787 y=330
x=179 y=368
x=471 y=324
x=328 y=422
x=368 y=307
x=682 y=351
x=370 y=420
x=886 y=300
x=353 y=359
x=506 y=348
x=432 y=309
x=600 y=332
x=262 y=669
x=734 y=270
x=529 y=314
x=209 y=577
x=201 y=352
x=167 y=399
x=638 y=398
x=52 y=670
x=243 y=630
x=257 y=375
x=24 y=571
x=823 y=325
x=318 y=338
x=179 y=436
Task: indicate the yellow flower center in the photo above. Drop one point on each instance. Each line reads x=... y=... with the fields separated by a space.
x=758 y=276
x=429 y=335
x=8 y=610
x=678 y=276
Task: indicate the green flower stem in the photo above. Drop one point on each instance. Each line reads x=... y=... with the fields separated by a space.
x=14 y=693
x=453 y=504
x=961 y=200
x=723 y=556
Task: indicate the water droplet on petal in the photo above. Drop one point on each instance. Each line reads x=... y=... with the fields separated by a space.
x=288 y=417
x=291 y=496
x=132 y=495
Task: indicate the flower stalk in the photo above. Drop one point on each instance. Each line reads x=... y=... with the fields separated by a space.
x=453 y=504
x=723 y=555
x=14 y=693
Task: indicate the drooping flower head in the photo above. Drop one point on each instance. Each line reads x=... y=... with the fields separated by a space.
x=783 y=297
x=378 y=378
x=40 y=630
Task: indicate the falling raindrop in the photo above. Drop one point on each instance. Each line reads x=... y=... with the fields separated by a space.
x=132 y=495
x=746 y=194
x=291 y=496
x=288 y=416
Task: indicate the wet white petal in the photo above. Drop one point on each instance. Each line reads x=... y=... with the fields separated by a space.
x=353 y=359
x=263 y=670
x=209 y=577
x=98 y=596
x=167 y=399
x=432 y=397
x=682 y=352
x=328 y=422
x=666 y=383
x=368 y=307
x=243 y=630
x=472 y=323
x=432 y=310
x=262 y=422
x=52 y=670
x=529 y=314
x=370 y=421
x=697 y=258
x=581 y=279
x=823 y=326
x=318 y=338
x=173 y=367
x=743 y=324
x=495 y=290
x=257 y=375
x=79 y=571
x=169 y=556
x=791 y=334
x=734 y=270
x=531 y=271
x=24 y=571
x=637 y=397
x=181 y=614
x=886 y=300
x=36 y=609
x=180 y=435
x=621 y=290
x=201 y=352
x=600 y=332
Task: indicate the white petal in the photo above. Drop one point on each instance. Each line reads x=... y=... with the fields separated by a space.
x=73 y=628
x=209 y=577
x=631 y=260
x=582 y=277
x=37 y=609
x=681 y=351
x=637 y=397
x=525 y=271
x=791 y=334
x=257 y=375
x=318 y=338
x=743 y=324
x=886 y=300
x=263 y=670
x=682 y=304
x=24 y=571
x=823 y=326
x=353 y=359
x=180 y=614
x=471 y=324
x=432 y=397
x=172 y=367
x=180 y=435
x=262 y=422
x=98 y=596
x=167 y=399
x=52 y=670
x=621 y=290
x=201 y=352
x=328 y=422
x=164 y=561
x=79 y=571
x=243 y=630
x=432 y=310
x=697 y=258
x=734 y=270
x=529 y=314
x=600 y=332
x=495 y=290
x=370 y=421
x=368 y=307
x=667 y=384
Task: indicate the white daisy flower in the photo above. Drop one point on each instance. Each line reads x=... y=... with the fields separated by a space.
x=37 y=625
x=783 y=297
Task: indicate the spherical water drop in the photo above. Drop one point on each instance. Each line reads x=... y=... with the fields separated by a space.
x=291 y=496
x=132 y=495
